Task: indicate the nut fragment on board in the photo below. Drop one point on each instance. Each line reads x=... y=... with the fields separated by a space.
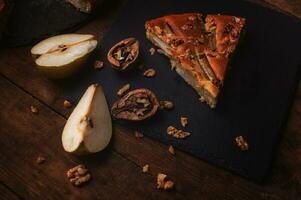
x=152 y=51
x=166 y=105
x=34 y=109
x=164 y=184
x=241 y=143
x=98 y=64
x=145 y=168
x=149 y=73
x=67 y=104
x=184 y=121
x=123 y=89
x=177 y=133
x=78 y=175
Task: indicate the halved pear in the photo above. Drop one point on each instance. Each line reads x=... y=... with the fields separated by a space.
x=63 y=55
x=89 y=127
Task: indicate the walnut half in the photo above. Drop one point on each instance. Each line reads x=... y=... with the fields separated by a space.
x=124 y=54
x=137 y=105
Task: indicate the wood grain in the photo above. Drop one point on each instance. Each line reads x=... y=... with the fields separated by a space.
x=195 y=179
x=25 y=136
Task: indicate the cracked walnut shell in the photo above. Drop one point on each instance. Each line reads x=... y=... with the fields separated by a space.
x=124 y=54
x=137 y=105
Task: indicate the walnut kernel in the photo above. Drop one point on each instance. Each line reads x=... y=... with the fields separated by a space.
x=123 y=90
x=152 y=51
x=149 y=73
x=177 y=133
x=34 y=109
x=162 y=183
x=241 y=143
x=78 y=175
x=184 y=121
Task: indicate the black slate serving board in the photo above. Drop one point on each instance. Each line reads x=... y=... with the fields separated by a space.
x=254 y=101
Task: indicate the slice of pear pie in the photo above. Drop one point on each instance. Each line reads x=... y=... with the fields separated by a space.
x=198 y=47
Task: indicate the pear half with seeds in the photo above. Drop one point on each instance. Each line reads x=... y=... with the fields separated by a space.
x=89 y=127
x=62 y=55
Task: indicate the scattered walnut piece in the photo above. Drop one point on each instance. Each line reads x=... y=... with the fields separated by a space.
x=78 y=175
x=166 y=105
x=40 y=160
x=152 y=51
x=145 y=168
x=162 y=183
x=171 y=150
x=34 y=109
x=123 y=89
x=98 y=64
x=242 y=143
x=138 y=134
x=184 y=121
x=177 y=133
x=149 y=73
x=169 y=185
x=67 y=104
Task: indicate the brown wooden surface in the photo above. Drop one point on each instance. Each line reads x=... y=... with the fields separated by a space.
x=117 y=172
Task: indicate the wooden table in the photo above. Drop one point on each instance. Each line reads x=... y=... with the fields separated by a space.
x=117 y=172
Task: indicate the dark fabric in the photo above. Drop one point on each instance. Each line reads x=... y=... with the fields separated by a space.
x=254 y=101
x=32 y=20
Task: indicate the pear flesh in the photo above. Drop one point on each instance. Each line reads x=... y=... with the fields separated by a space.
x=89 y=127
x=62 y=55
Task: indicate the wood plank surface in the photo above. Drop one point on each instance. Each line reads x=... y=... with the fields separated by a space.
x=117 y=171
